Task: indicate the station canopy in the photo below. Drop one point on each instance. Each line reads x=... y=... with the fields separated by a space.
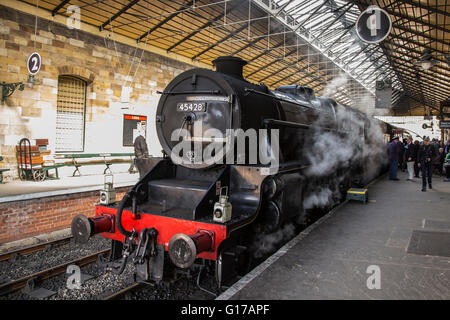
x=303 y=42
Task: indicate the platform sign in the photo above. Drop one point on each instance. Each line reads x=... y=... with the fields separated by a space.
x=383 y=94
x=34 y=63
x=444 y=124
x=133 y=126
x=373 y=25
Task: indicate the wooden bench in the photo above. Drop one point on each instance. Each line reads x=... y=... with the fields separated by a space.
x=2 y=170
x=107 y=160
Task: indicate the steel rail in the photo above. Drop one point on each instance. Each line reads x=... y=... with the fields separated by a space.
x=39 y=276
x=119 y=294
x=34 y=248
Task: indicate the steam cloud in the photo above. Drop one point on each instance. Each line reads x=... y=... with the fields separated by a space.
x=331 y=150
x=327 y=151
x=267 y=243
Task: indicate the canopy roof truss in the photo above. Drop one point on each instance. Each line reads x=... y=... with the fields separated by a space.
x=303 y=42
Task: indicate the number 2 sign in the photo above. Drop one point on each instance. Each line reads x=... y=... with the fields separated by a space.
x=34 y=63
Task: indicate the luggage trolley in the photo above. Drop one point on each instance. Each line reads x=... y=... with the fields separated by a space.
x=33 y=169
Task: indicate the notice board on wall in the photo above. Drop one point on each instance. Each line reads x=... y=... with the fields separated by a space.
x=133 y=126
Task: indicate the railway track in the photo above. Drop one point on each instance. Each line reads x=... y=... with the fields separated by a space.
x=21 y=283
x=119 y=294
x=34 y=248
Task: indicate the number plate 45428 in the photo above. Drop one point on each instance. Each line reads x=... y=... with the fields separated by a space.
x=191 y=106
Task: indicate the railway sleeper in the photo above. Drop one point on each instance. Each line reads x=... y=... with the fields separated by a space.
x=36 y=292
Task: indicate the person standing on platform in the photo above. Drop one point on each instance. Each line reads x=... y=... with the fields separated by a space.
x=394 y=151
x=426 y=154
x=440 y=161
x=416 y=162
x=447 y=167
x=410 y=158
x=447 y=148
x=401 y=155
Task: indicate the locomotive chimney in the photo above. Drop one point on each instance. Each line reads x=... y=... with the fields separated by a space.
x=230 y=65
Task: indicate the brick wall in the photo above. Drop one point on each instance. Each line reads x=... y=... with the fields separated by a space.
x=27 y=218
x=32 y=113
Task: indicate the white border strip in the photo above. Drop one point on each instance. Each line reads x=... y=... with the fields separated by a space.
x=239 y=285
x=37 y=195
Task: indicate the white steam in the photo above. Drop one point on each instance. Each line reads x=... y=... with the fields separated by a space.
x=320 y=198
x=333 y=86
x=363 y=146
x=349 y=156
x=267 y=243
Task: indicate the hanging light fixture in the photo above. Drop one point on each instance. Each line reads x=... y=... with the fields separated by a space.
x=426 y=60
x=426 y=64
x=30 y=81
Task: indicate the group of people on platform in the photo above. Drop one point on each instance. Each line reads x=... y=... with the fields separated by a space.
x=425 y=157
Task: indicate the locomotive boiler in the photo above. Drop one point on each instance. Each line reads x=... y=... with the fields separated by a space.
x=186 y=208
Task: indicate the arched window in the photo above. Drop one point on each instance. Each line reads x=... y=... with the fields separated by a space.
x=70 y=116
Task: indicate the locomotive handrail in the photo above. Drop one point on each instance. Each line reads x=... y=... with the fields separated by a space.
x=286 y=123
x=278 y=98
x=189 y=92
x=298 y=125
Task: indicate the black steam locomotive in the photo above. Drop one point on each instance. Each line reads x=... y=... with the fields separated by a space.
x=186 y=208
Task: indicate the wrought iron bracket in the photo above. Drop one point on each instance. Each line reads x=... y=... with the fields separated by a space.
x=9 y=88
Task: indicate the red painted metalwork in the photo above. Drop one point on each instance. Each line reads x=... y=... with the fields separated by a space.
x=204 y=240
x=103 y=223
x=167 y=227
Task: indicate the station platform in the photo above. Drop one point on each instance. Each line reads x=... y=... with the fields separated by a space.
x=29 y=209
x=27 y=190
x=402 y=236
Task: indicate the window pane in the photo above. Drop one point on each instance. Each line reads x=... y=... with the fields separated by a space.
x=70 y=114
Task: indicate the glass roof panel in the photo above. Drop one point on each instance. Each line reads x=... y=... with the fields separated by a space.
x=327 y=25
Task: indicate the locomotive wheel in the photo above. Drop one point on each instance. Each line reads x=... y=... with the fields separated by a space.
x=39 y=175
x=243 y=261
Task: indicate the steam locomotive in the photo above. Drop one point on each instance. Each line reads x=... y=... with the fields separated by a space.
x=185 y=209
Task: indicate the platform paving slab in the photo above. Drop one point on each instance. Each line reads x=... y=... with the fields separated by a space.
x=336 y=259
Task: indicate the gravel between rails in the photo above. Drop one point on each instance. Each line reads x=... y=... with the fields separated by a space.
x=183 y=289
x=38 y=261
x=105 y=283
